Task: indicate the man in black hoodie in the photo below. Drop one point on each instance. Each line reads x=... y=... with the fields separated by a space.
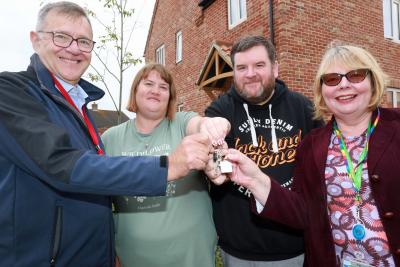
x=268 y=121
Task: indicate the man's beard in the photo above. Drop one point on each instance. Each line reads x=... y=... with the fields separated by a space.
x=266 y=92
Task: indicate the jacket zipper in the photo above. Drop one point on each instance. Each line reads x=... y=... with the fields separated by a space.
x=77 y=114
x=56 y=236
x=64 y=102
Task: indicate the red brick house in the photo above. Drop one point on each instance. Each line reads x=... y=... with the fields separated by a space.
x=192 y=38
x=105 y=119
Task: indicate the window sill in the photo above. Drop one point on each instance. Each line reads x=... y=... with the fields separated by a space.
x=231 y=26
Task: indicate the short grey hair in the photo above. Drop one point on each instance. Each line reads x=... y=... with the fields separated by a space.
x=62 y=8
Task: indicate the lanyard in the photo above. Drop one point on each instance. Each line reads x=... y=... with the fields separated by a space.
x=89 y=125
x=355 y=174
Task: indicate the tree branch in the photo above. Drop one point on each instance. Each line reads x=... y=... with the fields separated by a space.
x=106 y=67
x=105 y=85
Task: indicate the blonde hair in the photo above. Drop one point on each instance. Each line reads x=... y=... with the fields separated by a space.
x=143 y=73
x=351 y=57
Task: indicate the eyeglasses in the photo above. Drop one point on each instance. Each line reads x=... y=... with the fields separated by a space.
x=354 y=76
x=65 y=40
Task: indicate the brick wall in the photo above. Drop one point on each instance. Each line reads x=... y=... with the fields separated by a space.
x=303 y=29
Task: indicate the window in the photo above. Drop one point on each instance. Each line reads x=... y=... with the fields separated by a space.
x=236 y=12
x=160 y=55
x=391 y=19
x=179 y=46
x=393 y=97
x=179 y=107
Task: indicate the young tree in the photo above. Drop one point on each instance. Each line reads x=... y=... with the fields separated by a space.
x=114 y=43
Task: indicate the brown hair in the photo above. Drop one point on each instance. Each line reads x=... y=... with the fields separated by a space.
x=248 y=42
x=143 y=73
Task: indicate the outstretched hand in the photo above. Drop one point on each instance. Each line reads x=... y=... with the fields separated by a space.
x=191 y=154
x=216 y=129
x=246 y=173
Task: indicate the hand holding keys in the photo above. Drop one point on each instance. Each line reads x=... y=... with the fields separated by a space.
x=222 y=166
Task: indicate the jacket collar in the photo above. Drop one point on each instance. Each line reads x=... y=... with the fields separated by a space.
x=381 y=138
x=320 y=143
x=46 y=81
x=378 y=143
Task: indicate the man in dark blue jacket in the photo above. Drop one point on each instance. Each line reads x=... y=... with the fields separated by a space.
x=55 y=184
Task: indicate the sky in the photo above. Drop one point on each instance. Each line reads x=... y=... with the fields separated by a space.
x=18 y=18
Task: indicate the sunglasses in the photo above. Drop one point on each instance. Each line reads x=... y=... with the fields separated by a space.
x=354 y=76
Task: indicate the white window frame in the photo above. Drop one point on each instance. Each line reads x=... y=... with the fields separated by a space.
x=160 y=55
x=391 y=19
x=179 y=107
x=237 y=12
x=395 y=92
x=179 y=47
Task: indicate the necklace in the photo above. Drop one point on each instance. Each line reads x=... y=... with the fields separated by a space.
x=145 y=139
x=355 y=174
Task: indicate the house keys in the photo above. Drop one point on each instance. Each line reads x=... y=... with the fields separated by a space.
x=221 y=165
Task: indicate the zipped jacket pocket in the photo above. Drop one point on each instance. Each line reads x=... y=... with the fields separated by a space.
x=56 y=240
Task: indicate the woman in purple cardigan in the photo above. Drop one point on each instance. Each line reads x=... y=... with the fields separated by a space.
x=346 y=194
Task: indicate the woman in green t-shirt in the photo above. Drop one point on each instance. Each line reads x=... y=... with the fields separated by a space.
x=176 y=229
